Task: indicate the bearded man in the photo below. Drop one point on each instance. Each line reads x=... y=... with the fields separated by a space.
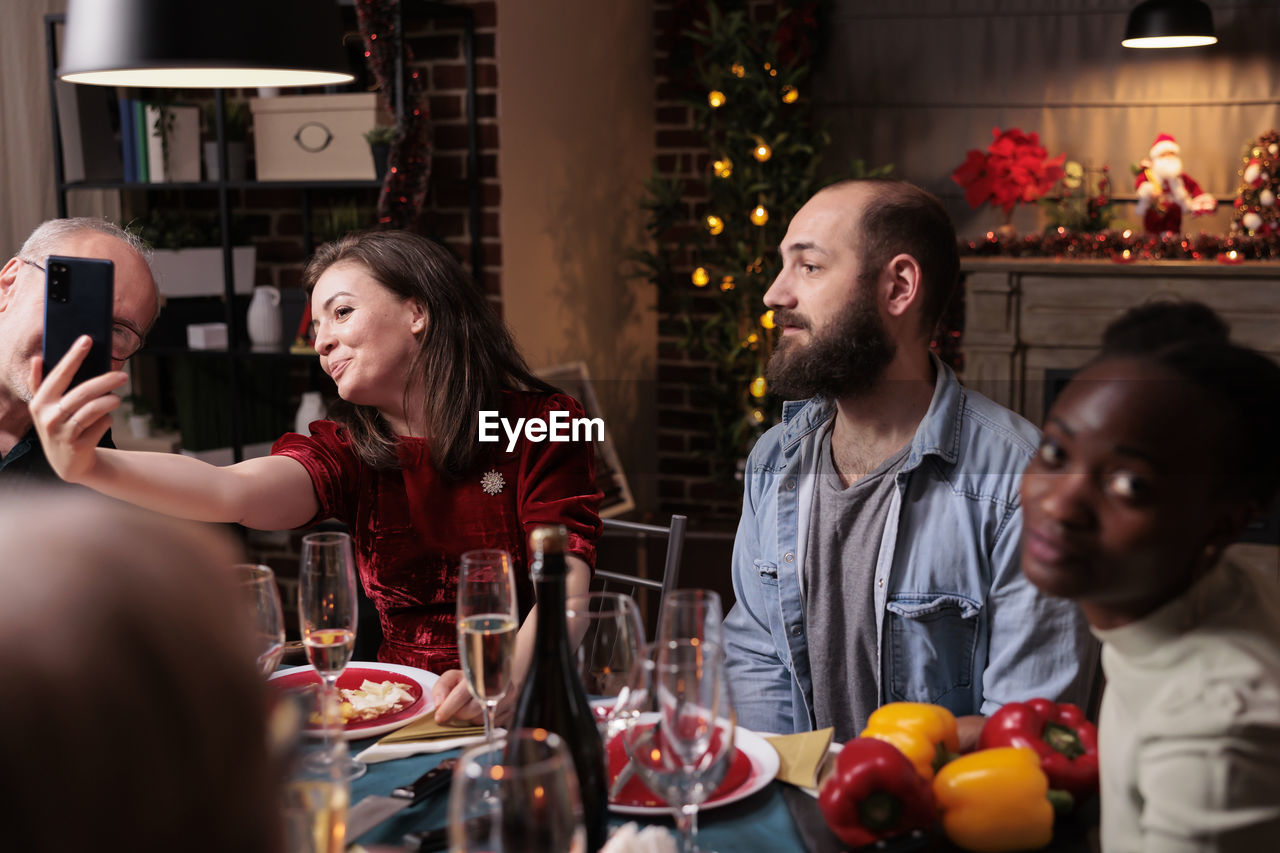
x=1165 y=192
x=877 y=555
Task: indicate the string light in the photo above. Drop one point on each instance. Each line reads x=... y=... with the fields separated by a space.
x=759 y=387
x=714 y=224
x=757 y=416
x=700 y=277
x=759 y=216
x=726 y=283
x=762 y=151
x=766 y=320
x=716 y=98
x=790 y=94
x=738 y=70
x=722 y=168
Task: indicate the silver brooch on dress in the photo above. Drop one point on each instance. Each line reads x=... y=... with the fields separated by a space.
x=492 y=483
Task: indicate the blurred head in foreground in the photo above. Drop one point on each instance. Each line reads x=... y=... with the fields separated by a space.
x=134 y=717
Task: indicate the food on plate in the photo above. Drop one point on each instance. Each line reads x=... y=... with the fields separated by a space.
x=995 y=800
x=1058 y=732
x=371 y=700
x=875 y=793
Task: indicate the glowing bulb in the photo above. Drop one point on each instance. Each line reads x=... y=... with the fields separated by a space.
x=700 y=277
x=1126 y=234
x=790 y=94
x=762 y=151
x=757 y=416
x=759 y=216
x=766 y=319
x=716 y=98
x=726 y=283
x=1125 y=254
x=714 y=224
x=722 y=168
x=738 y=70
x=759 y=387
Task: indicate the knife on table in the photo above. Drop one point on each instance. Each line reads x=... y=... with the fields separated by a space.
x=371 y=811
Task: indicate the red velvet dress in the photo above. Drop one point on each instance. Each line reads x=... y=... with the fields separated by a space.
x=410 y=525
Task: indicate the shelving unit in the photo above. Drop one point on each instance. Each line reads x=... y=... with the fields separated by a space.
x=238 y=354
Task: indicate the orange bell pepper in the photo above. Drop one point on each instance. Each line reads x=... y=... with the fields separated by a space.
x=925 y=733
x=995 y=800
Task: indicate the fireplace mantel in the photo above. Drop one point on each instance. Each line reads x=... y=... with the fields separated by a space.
x=1029 y=323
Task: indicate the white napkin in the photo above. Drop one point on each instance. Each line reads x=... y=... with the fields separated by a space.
x=389 y=751
x=629 y=838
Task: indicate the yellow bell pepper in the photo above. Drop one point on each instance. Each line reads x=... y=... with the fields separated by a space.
x=926 y=734
x=995 y=800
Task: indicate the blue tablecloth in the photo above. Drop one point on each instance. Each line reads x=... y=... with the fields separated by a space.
x=760 y=822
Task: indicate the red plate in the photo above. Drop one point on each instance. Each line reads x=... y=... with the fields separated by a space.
x=637 y=794
x=352 y=677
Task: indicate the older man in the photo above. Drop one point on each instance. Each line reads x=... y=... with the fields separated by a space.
x=876 y=559
x=136 y=305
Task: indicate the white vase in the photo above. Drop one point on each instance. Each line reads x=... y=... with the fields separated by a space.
x=311 y=409
x=264 y=318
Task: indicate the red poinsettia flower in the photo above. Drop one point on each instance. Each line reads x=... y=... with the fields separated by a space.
x=1012 y=171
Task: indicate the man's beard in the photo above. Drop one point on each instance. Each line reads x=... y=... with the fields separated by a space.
x=847 y=359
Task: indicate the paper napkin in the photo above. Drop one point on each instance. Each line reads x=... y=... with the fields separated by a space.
x=420 y=736
x=800 y=756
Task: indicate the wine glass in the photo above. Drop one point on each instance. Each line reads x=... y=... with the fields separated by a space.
x=612 y=635
x=258 y=585
x=487 y=627
x=692 y=614
x=317 y=791
x=678 y=727
x=516 y=794
x=327 y=611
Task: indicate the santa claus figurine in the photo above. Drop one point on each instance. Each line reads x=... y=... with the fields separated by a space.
x=1165 y=191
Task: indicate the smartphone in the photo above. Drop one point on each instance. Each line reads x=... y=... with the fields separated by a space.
x=78 y=296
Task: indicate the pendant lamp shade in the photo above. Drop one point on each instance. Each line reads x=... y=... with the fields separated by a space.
x=204 y=43
x=1170 y=23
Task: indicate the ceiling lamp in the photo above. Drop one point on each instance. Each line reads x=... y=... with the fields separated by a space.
x=1170 y=23
x=228 y=44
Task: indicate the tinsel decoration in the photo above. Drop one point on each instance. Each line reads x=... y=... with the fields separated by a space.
x=1112 y=246
x=404 y=189
x=1256 y=210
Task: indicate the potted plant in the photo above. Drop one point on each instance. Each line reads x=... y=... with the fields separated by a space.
x=235 y=128
x=187 y=260
x=380 y=138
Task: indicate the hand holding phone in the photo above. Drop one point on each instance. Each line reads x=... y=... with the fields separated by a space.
x=78 y=297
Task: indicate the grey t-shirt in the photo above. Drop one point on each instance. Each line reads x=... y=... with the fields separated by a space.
x=845 y=529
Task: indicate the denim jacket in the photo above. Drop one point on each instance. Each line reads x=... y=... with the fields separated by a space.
x=957 y=623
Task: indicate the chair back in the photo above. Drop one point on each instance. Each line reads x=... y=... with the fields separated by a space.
x=640 y=579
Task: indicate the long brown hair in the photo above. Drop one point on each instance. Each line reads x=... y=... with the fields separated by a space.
x=465 y=358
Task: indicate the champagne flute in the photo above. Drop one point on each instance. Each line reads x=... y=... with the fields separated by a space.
x=678 y=727
x=612 y=636
x=516 y=794
x=327 y=611
x=317 y=791
x=258 y=585
x=692 y=614
x=487 y=627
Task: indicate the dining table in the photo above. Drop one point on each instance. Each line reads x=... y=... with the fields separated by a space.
x=779 y=818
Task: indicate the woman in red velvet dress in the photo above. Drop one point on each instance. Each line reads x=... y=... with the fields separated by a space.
x=416 y=355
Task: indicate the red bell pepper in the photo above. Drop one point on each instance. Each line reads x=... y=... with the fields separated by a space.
x=874 y=793
x=1066 y=742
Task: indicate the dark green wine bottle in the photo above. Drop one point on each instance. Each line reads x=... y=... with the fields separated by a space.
x=553 y=697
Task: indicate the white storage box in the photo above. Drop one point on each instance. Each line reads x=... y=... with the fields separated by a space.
x=198 y=272
x=207 y=336
x=314 y=137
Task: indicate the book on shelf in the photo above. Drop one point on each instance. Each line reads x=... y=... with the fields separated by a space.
x=139 y=111
x=89 y=129
x=128 y=129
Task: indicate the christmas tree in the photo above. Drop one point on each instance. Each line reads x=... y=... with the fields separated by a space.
x=715 y=235
x=1256 y=211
